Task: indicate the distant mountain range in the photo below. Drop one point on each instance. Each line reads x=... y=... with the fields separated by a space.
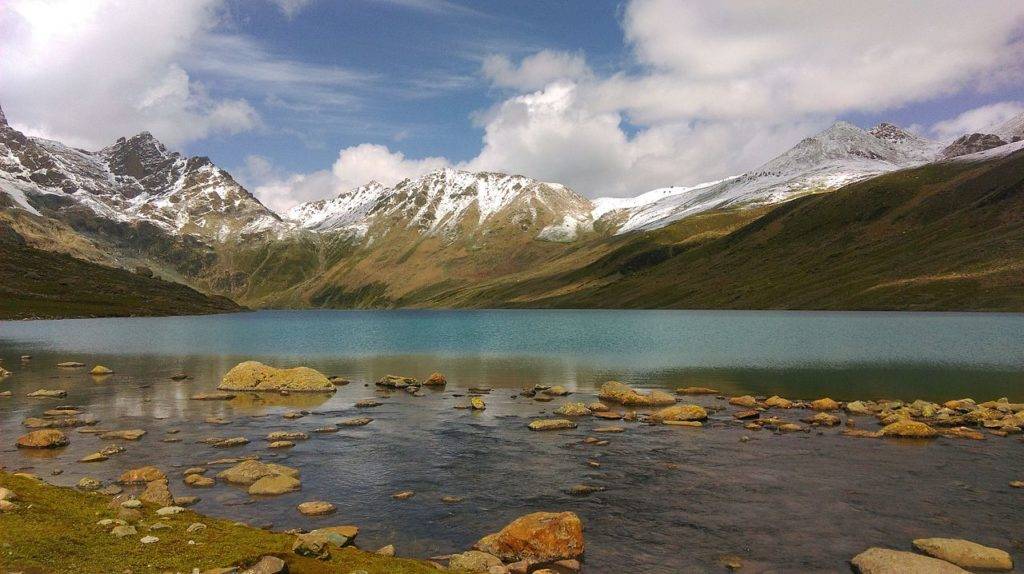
x=447 y=238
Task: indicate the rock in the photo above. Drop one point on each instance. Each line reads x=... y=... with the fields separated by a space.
x=216 y=396
x=70 y=365
x=36 y=423
x=624 y=394
x=685 y=424
x=885 y=561
x=313 y=545
x=226 y=442
x=609 y=429
x=255 y=376
x=185 y=500
x=281 y=444
x=908 y=429
x=338 y=535
x=287 y=435
x=249 y=471
x=100 y=370
x=326 y=429
x=157 y=492
x=583 y=489
x=195 y=527
x=403 y=495
x=965 y=554
x=180 y=377
x=556 y=391
x=448 y=499
x=683 y=412
x=436 y=380
x=4 y=373
x=198 y=481
x=356 y=422
x=696 y=391
x=746 y=414
x=292 y=415
x=608 y=415
x=267 y=565
x=169 y=510
x=142 y=475
x=131 y=503
x=388 y=550
x=123 y=530
x=316 y=508
x=111 y=490
x=963 y=432
x=367 y=404
x=89 y=484
x=46 y=438
x=823 y=419
x=130 y=434
x=274 y=484
x=48 y=393
x=572 y=410
x=858 y=408
x=539 y=537
x=598 y=407
x=7 y=494
x=825 y=404
x=473 y=561
x=551 y=424
x=396 y=382
x=1017 y=484
x=777 y=402
x=745 y=401
x=7 y=506
x=477 y=404
x=789 y=427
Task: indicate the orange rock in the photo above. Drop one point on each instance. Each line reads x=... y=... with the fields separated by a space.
x=141 y=475
x=46 y=438
x=436 y=380
x=825 y=404
x=537 y=538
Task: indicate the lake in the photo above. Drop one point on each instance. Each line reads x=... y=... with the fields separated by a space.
x=676 y=500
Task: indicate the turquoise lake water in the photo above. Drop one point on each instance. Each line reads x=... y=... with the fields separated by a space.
x=676 y=500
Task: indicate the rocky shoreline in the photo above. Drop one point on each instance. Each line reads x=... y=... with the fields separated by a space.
x=543 y=542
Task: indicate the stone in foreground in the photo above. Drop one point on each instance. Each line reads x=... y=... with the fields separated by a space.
x=966 y=554
x=909 y=429
x=255 y=376
x=46 y=438
x=885 y=561
x=537 y=538
x=316 y=508
x=680 y=413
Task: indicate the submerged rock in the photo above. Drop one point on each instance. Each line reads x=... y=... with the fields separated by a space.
x=215 y=396
x=255 y=376
x=551 y=424
x=885 y=561
x=100 y=370
x=537 y=538
x=274 y=484
x=130 y=434
x=355 y=422
x=696 y=391
x=48 y=394
x=249 y=471
x=909 y=429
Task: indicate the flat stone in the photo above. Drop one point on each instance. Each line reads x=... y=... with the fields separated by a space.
x=199 y=481
x=149 y=539
x=551 y=424
x=274 y=485
x=123 y=530
x=46 y=438
x=355 y=422
x=129 y=434
x=885 y=561
x=316 y=508
x=48 y=394
x=214 y=396
x=965 y=554
x=169 y=510
x=403 y=495
x=141 y=475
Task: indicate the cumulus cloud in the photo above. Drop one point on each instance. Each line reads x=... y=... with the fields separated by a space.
x=88 y=72
x=981 y=120
x=365 y=162
x=535 y=71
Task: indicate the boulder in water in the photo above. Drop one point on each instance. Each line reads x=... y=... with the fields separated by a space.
x=255 y=376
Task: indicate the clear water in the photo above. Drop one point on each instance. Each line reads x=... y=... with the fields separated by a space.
x=676 y=499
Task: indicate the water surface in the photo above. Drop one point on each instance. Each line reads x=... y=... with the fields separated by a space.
x=677 y=499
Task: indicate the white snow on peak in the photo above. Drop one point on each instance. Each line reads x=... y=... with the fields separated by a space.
x=1011 y=129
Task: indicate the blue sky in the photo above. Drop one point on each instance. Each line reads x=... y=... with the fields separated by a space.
x=303 y=99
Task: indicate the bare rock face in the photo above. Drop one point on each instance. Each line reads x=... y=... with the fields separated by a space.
x=972 y=143
x=966 y=554
x=537 y=538
x=885 y=561
x=46 y=438
x=255 y=376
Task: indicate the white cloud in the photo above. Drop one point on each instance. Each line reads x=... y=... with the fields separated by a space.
x=290 y=8
x=365 y=162
x=983 y=120
x=88 y=72
x=535 y=71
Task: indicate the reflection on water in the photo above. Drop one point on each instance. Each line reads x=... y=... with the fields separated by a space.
x=677 y=499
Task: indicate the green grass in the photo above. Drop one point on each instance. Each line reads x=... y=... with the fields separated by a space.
x=54 y=530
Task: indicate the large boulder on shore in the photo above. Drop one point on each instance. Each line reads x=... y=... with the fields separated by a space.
x=255 y=376
x=885 y=561
x=625 y=395
x=965 y=554
x=46 y=438
x=537 y=538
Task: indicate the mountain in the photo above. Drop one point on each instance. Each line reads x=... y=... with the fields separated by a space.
x=839 y=155
x=449 y=202
x=1012 y=130
x=971 y=143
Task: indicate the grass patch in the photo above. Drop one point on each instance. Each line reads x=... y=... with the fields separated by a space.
x=54 y=530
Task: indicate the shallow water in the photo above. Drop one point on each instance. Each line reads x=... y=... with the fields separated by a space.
x=676 y=499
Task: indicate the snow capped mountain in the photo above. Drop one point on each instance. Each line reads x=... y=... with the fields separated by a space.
x=839 y=155
x=1011 y=131
x=447 y=202
x=136 y=179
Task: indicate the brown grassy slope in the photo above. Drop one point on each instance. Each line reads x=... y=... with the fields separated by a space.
x=45 y=284
x=946 y=236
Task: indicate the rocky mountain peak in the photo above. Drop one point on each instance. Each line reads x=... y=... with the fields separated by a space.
x=140 y=156
x=972 y=143
x=3 y=118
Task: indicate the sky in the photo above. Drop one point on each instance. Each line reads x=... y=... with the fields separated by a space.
x=305 y=99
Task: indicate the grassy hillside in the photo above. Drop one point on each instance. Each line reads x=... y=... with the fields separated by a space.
x=45 y=284
x=945 y=236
